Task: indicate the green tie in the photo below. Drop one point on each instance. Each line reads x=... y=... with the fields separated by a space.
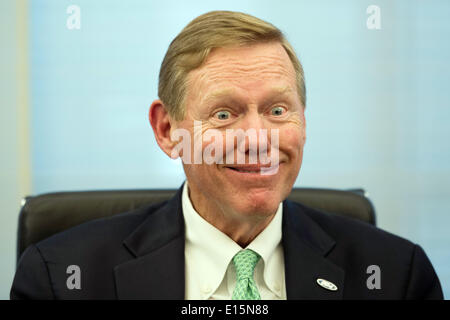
x=245 y=262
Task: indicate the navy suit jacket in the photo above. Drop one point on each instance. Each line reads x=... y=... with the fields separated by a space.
x=140 y=255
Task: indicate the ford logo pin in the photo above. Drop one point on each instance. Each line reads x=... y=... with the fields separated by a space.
x=327 y=284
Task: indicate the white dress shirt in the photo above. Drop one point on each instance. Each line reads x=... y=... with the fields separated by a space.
x=210 y=273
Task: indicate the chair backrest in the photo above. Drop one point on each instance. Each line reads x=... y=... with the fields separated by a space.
x=47 y=214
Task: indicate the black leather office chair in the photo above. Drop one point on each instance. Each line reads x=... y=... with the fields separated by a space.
x=47 y=214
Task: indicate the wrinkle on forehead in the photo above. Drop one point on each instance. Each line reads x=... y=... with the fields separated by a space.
x=234 y=69
x=243 y=65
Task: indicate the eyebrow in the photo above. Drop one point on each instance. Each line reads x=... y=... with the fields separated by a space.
x=274 y=93
x=218 y=94
x=282 y=90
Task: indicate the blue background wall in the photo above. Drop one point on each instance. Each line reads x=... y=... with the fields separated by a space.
x=377 y=110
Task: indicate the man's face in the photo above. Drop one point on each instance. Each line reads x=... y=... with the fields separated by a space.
x=251 y=87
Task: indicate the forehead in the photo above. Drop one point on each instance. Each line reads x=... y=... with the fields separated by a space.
x=250 y=68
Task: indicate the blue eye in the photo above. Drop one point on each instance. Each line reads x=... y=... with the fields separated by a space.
x=277 y=111
x=223 y=115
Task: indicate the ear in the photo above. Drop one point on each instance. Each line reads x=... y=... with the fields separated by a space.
x=161 y=123
x=304 y=128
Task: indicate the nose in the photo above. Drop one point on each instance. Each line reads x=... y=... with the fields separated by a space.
x=253 y=120
x=257 y=140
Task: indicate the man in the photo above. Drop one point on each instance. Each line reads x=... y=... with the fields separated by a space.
x=228 y=233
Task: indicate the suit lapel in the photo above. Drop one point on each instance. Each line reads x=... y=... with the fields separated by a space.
x=305 y=247
x=157 y=272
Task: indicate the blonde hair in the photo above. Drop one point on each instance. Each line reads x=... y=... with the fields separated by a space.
x=215 y=29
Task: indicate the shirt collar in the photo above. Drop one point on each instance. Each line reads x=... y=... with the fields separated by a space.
x=203 y=241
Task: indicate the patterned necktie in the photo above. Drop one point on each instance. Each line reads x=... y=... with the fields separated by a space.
x=245 y=262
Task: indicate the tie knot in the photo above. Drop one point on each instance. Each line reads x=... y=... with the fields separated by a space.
x=244 y=262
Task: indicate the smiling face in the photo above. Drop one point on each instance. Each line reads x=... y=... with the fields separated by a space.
x=250 y=87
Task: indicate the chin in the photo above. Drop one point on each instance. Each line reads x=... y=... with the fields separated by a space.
x=262 y=206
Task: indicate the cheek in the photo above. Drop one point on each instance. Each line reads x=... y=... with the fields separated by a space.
x=292 y=140
x=200 y=174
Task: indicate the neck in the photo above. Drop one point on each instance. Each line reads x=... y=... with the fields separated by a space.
x=242 y=229
x=241 y=232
